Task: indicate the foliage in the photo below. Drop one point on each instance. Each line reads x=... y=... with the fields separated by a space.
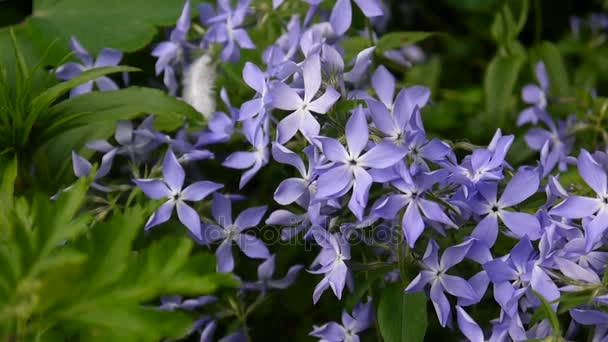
x=67 y=274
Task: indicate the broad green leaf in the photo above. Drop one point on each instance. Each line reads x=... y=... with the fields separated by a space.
x=559 y=84
x=499 y=85
x=93 y=116
x=124 y=104
x=396 y=40
x=129 y=322
x=402 y=317
x=136 y=20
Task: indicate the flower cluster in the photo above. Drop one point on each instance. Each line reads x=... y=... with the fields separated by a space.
x=363 y=162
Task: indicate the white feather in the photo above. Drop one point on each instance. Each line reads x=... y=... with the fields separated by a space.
x=199 y=85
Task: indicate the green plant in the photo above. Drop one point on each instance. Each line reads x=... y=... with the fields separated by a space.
x=66 y=274
x=32 y=120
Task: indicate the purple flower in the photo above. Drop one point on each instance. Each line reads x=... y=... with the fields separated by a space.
x=229 y=232
x=106 y=58
x=135 y=143
x=265 y=281
x=171 y=188
x=170 y=53
x=575 y=207
x=173 y=303
x=484 y=164
x=293 y=189
x=514 y=274
x=256 y=133
x=82 y=168
x=412 y=198
x=361 y=64
x=220 y=126
x=225 y=27
x=524 y=184
x=535 y=96
x=348 y=169
x=361 y=319
x=301 y=119
x=330 y=261
x=434 y=273
x=341 y=14
x=394 y=118
x=554 y=143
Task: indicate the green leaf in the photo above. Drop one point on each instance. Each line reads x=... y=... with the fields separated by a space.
x=499 y=83
x=112 y=246
x=52 y=94
x=352 y=46
x=547 y=311
x=8 y=175
x=129 y=322
x=505 y=27
x=93 y=116
x=363 y=286
x=402 y=317
x=137 y=20
x=395 y=40
x=559 y=84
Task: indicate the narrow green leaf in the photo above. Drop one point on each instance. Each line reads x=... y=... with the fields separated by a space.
x=402 y=317
x=548 y=312
x=396 y=40
x=53 y=93
x=7 y=188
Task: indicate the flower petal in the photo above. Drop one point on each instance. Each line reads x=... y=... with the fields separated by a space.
x=382 y=156
x=173 y=172
x=221 y=209
x=357 y=132
x=250 y=217
x=576 y=207
x=161 y=215
x=252 y=246
x=592 y=173
x=199 y=190
x=523 y=185
x=225 y=261
x=384 y=85
x=153 y=188
x=290 y=190
x=189 y=218
x=522 y=224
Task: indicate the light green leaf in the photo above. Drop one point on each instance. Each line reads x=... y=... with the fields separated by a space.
x=402 y=317
x=396 y=40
